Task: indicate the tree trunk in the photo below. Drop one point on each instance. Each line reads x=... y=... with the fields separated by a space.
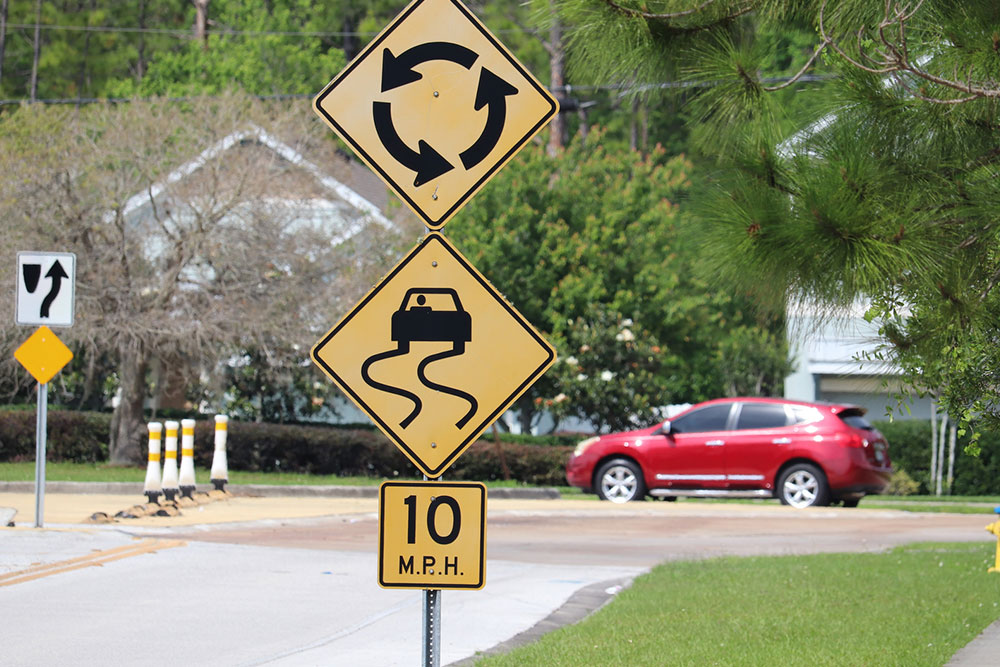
x=525 y=413
x=37 y=50
x=3 y=34
x=500 y=453
x=557 y=72
x=127 y=429
x=952 y=441
x=940 y=457
x=633 y=134
x=350 y=44
x=934 y=448
x=140 y=65
x=201 y=22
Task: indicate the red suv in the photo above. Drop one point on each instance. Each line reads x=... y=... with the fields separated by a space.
x=804 y=454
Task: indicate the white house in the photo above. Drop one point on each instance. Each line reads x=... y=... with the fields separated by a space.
x=832 y=361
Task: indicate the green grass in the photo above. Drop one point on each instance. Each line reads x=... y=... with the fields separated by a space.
x=914 y=605
x=102 y=472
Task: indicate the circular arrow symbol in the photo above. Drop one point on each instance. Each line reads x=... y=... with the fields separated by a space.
x=492 y=93
x=427 y=162
x=397 y=71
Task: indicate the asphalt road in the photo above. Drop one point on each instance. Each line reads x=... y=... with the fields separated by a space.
x=298 y=588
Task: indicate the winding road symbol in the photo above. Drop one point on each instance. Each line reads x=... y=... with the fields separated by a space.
x=436 y=106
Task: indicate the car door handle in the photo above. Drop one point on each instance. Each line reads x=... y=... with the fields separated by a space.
x=782 y=441
x=715 y=443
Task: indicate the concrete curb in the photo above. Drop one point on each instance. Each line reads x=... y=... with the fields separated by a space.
x=581 y=604
x=260 y=490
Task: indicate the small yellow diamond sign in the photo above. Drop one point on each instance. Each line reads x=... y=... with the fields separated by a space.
x=436 y=105
x=434 y=354
x=43 y=355
x=432 y=535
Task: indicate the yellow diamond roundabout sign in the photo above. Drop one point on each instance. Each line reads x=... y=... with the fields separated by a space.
x=435 y=105
x=434 y=354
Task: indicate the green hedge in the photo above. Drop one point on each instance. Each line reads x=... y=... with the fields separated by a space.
x=83 y=437
x=69 y=436
x=910 y=450
x=322 y=450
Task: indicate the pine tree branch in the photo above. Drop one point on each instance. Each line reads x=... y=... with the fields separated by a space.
x=896 y=57
x=798 y=75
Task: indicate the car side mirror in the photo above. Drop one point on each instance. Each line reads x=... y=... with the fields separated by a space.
x=664 y=429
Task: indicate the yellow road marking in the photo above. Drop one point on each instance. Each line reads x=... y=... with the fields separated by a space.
x=97 y=558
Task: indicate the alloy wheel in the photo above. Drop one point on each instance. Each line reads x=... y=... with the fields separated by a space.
x=800 y=489
x=619 y=484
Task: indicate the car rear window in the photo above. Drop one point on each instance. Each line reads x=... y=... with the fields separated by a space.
x=762 y=415
x=856 y=418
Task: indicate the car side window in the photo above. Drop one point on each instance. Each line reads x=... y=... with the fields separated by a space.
x=711 y=418
x=802 y=414
x=762 y=415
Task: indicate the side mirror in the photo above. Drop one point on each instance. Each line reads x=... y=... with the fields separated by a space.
x=664 y=429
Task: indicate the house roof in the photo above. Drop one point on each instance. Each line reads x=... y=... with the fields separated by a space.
x=343 y=195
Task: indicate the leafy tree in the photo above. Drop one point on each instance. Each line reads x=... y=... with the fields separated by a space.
x=884 y=187
x=585 y=240
x=264 y=63
x=96 y=43
x=180 y=271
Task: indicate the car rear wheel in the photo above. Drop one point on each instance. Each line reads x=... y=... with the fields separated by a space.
x=803 y=485
x=620 y=481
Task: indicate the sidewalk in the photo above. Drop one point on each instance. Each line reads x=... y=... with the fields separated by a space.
x=67 y=503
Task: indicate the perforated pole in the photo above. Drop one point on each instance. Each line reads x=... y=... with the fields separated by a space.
x=432 y=625
x=432 y=628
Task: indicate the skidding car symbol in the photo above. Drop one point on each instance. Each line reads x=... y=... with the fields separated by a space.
x=416 y=321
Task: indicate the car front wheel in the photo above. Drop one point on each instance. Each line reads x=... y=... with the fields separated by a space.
x=803 y=485
x=620 y=481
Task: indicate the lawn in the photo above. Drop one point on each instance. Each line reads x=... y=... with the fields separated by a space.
x=102 y=472
x=914 y=605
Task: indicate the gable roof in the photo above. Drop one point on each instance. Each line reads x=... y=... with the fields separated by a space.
x=367 y=211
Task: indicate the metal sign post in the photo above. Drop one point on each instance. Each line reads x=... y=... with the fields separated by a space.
x=432 y=628
x=40 y=434
x=43 y=355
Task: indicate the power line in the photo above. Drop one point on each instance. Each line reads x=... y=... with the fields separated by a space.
x=178 y=32
x=622 y=88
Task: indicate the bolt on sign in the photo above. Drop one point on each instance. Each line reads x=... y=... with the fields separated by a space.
x=435 y=105
x=432 y=535
x=434 y=354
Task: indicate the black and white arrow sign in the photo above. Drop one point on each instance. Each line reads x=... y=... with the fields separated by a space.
x=45 y=288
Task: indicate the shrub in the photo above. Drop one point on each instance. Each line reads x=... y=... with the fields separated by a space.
x=70 y=436
x=910 y=449
x=901 y=484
